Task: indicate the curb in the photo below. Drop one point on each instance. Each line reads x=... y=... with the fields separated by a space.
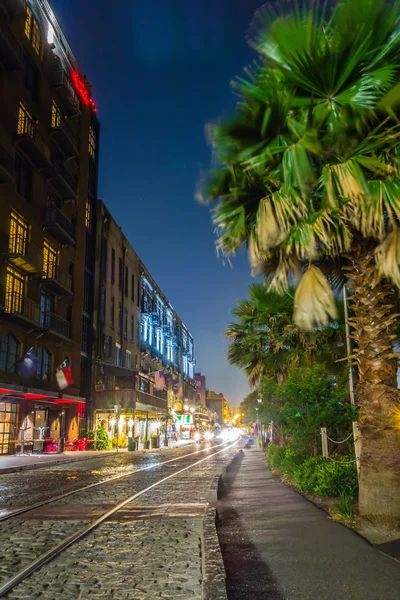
x=214 y=576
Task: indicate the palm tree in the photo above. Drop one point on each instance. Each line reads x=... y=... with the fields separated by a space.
x=307 y=176
x=264 y=341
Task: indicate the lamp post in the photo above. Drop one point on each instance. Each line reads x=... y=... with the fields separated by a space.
x=259 y=400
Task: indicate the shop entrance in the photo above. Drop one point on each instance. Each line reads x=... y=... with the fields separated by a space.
x=48 y=423
x=8 y=417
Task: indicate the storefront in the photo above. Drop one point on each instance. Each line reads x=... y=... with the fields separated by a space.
x=36 y=422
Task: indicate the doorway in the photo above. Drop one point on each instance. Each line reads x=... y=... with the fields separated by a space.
x=8 y=417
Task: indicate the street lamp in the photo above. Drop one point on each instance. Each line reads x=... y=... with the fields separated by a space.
x=186 y=407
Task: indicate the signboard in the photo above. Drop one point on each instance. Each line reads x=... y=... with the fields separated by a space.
x=185 y=419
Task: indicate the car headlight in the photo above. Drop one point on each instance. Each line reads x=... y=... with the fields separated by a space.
x=196 y=436
x=208 y=436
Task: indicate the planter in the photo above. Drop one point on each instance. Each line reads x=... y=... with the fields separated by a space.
x=166 y=442
x=146 y=445
x=155 y=442
x=131 y=444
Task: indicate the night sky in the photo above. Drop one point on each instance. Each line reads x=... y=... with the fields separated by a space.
x=160 y=71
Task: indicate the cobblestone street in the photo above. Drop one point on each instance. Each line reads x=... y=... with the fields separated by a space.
x=152 y=548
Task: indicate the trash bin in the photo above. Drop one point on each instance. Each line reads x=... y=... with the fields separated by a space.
x=131 y=444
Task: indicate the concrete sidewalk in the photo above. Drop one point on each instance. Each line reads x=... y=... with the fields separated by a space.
x=278 y=546
x=15 y=463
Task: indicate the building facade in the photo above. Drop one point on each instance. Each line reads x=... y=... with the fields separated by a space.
x=201 y=387
x=218 y=404
x=48 y=187
x=143 y=355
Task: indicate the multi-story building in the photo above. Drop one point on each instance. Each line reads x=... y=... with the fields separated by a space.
x=143 y=354
x=48 y=187
x=218 y=404
x=201 y=387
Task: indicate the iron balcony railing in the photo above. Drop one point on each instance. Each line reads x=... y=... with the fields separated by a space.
x=53 y=322
x=59 y=275
x=23 y=254
x=17 y=304
x=150 y=400
x=66 y=176
x=59 y=78
x=53 y=217
x=27 y=129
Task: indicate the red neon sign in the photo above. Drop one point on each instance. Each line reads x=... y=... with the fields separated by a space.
x=83 y=90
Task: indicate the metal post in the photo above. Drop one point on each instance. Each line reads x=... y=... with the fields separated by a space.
x=324 y=441
x=349 y=347
x=357 y=445
x=147 y=426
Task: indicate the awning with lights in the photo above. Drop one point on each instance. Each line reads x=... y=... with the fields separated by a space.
x=39 y=396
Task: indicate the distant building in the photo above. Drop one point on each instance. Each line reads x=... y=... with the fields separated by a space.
x=218 y=404
x=201 y=388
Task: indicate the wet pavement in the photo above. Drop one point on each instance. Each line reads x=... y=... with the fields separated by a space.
x=278 y=546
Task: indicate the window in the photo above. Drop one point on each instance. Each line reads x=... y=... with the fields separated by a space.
x=50 y=259
x=103 y=260
x=132 y=328
x=31 y=76
x=23 y=178
x=92 y=143
x=9 y=353
x=118 y=354
x=56 y=117
x=126 y=280
x=107 y=340
x=120 y=274
x=133 y=288
x=138 y=294
x=18 y=234
x=46 y=308
x=88 y=214
x=26 y=123
x=112 y=311
x=112 y=265
x=32 y=30
x=126 y=323
x=120 y=317
x=85 y=334
x=15 y=284
x=43 y=370
x=144 y=386
x=103 y=304
x=128 y=359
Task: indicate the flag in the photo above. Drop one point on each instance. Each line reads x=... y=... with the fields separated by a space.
x=28 y=364
x=159 y=380
x=64 y=375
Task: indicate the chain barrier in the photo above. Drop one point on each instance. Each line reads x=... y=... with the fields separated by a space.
x=343 y=462
x=334 y=441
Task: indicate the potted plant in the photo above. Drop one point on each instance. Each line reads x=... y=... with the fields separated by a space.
x=146 y=444
x=155 y=440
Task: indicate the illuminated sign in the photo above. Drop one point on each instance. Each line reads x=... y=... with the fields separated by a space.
x=184 y=419
x=83 y=90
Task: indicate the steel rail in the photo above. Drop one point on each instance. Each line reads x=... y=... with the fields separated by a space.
x=77 y=536
x=5 y=515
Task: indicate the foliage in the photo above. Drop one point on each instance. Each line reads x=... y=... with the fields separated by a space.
x=308 y=165
x=319 y=476
x=265 y=341
x=103 y=441
x=345 y=506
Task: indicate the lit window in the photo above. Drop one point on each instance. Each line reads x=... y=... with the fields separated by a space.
x=50 y=256
x=14 y=291
x=18 y=234
x=43 y=370
x=117 y=354
x=56 y=117
x=26 y=123
x=32 y=30
x=92 y=143
x=128 y=359
x=88 y=215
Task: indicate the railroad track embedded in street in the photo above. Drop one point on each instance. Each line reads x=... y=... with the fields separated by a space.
x=54 y=552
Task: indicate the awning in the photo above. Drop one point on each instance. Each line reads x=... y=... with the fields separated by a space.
x=39 y=395
x=104 y=368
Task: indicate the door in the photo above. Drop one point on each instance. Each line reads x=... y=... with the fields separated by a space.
x=8 y=414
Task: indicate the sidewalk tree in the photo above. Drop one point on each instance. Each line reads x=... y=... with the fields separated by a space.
x=307 y=177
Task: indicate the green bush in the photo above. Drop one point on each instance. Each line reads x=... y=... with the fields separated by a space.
x=285 y=459
x=275 y=455
x=319 y=476
x=103 y=441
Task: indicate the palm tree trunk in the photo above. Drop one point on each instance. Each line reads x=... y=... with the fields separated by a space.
x=372 y=303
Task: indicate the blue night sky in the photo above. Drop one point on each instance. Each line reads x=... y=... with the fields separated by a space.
x=160 y=71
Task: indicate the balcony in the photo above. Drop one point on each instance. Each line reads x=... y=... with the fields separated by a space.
x=24 y=255
x=149 y=402
x=10 y=49
x=65 y=139
x=55 y=325
x=58 y=225
x=61 y=81
x=57 y=280
x=108 y=398
x=6 y=166
x=21 y=308
x=33 y=144
x=64 y=182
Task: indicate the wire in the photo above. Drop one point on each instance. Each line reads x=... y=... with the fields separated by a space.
x=334 y=441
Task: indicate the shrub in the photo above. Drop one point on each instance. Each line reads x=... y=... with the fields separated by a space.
x=275 y=455
x=345 y=506
x=321 y=477
x=103 y=441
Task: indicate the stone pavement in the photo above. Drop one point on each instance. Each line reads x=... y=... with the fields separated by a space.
x=278 y=546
